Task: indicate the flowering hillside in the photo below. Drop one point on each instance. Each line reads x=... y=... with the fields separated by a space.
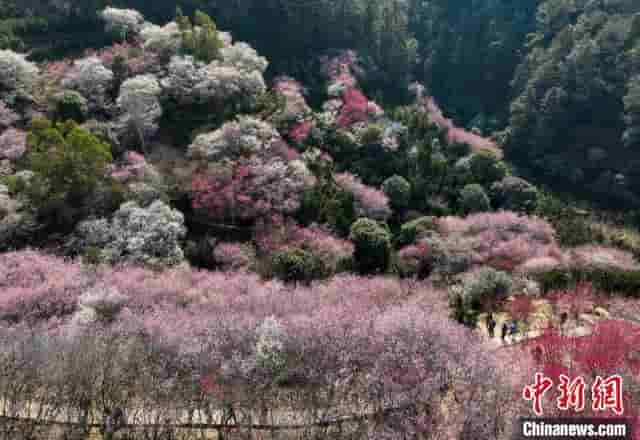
x=190 y=235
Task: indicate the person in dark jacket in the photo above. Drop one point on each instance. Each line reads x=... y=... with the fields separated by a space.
x=491 y=325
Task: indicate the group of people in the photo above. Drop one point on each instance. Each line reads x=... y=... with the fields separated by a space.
x=508 y=327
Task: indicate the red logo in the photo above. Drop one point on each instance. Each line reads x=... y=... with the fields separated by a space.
x=606 y=394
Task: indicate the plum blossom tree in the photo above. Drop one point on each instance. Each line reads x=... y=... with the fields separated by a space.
x=165 y=40
x=590 y=257
x=503 y=240
x=142 y=180
x=190 y=81
x=7 y=116
x=247 y=172
x=17 y=75
x=269 y=349
x=251 y=189
x=234 y=256
x=140 y=235
x=354 y=109
x=92 y=79
x=16 y=222
x=125 y=21
x=99 y=304
x=124 y=60
x=139 y=98
x=243 y=57
x=224 y=83
x=370 y=202
x=455 y=134
x=244 y=137
x=295 y=114
x=13 y=144
x=236 y=74
x=350 y=113
x=183 y=75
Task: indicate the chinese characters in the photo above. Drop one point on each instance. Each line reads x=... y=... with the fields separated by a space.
x=606 y=393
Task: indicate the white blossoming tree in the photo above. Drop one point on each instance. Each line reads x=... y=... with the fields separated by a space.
x=243 y=57
x=161 y=39
x=99 y=304
x=183 y=74
x=126 y=21
x=92 y=79
x=269 y=351
x=139 y=98
x=237 y=77
x=245 y=136
x=140 y=235
x=17 y=75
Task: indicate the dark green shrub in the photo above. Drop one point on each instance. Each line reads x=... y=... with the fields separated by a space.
x=553 y=280
x=607 y=281
x=398 y=190
x=626 y=282
x=200 y=253
x=372 y=246
x=201 y=38
x=486 y=168
x=330 y=205
x=437 y=206
x=414 y=229
x=372 y=135
x=485 y=286
x=473 y=198
x=68 y=165
x=295 y=264
x=458 y=150
x=70 y=105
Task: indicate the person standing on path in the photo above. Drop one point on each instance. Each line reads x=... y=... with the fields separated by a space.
x=491 y=325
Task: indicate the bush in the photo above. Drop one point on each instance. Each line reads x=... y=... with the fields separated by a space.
x=372 y=246
x=68 y=165
x=458 y=149
x=328 y=205
x=372 y=135
x=608 y=281
x=295 y=264
x=414 y=229
x=200 y=39
x=70 y=105
x=437 y=206
x=486 y=285
x=486 y=168
x=514 y=194
x=398 y=190
x=201 y=252
x=473 y=198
